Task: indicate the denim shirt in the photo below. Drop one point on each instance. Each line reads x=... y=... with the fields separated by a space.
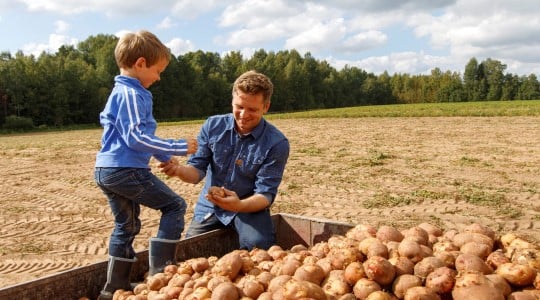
x=251 y=164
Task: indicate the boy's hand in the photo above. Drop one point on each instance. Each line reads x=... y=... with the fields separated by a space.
x=192 y=146
x=169 y=168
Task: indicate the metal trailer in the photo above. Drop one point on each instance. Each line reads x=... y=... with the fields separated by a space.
x=87 y=281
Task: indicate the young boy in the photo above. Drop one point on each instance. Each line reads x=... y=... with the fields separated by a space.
x=122 y=164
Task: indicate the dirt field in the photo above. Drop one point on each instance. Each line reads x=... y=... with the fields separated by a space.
x=399 y=171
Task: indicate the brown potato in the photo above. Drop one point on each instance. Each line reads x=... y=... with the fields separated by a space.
x=380 y=295
x=364 y=286
x=500 y=283
x=402 y=265
x=404 y=282
x=278 y=282
x=517 y=274
x=462 y=238
x=479 y=249
x=313 y=273
x=250 y=287
x=479 y=228
x=228 y=265
x=199 y=264
x=411 y=250
x=335 y=285
x=264 y=278
x=259 y=255
x=431 y=229
x=448 y=258
x=441 y=280
x=427 y=265
x=422 y=293
x=215 y=281
x=497 y=258
x=417 y=234
x=216 y=191
x=477 y=292
x=521 y=295
x=469 y=262
x=377 y=249
x=156 y=281
x=361 y=231
x=387 y=233
x=380 y=270
x=297 y=289
x=353 y=272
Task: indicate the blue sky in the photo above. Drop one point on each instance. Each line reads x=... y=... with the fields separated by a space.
x=397 y=36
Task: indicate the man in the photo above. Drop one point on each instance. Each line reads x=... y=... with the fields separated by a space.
x=245 y=156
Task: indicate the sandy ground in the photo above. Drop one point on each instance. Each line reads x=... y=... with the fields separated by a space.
x=397 y=171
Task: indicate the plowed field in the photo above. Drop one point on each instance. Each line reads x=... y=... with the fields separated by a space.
x=450 y=171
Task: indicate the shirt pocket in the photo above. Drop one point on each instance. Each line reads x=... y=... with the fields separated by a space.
x=251 y=163
x=221 y=153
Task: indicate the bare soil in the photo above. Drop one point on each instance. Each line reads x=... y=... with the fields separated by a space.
x=450 y=172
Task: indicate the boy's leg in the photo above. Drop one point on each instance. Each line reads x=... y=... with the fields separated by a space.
x=154 y=193
x=114 y=182
x=255 y=230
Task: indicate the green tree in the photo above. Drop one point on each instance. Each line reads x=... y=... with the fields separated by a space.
x=510 y=87
x=494 y=76
x=530 y=88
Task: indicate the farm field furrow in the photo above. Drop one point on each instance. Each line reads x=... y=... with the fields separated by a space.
x=449 y=171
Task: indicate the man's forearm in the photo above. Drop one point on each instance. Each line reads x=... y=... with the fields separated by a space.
x=187 y=173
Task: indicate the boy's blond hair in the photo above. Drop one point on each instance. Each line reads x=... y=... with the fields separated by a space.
x=131 y=46
x=252 y=82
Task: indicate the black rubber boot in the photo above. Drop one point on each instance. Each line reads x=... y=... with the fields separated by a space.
x=162 y=252
x=118 y=273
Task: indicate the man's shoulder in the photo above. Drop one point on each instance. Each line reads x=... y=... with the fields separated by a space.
x=219 y=120
x=274 y=135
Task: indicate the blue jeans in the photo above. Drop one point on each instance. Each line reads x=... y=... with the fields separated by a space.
x=255 y=230
x=127 y=189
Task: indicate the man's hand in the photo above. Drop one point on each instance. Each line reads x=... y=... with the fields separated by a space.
x=224 y=198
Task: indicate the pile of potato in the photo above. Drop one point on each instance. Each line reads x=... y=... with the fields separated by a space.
x=421 y=262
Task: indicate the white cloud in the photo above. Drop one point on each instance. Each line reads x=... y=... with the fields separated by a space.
x=256 y=13
x=108 y=7
x=54 y=43
x=191 y=9
x=320 y=35
x=394 y=35
x=166 y=23
x=401 y=62
x=179 y=46
x=363 y=41
x=61 y=26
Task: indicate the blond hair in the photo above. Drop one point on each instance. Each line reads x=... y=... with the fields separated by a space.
x=252 y=82
x=131 y=46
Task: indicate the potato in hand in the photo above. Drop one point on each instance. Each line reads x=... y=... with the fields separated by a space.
x=216 y=191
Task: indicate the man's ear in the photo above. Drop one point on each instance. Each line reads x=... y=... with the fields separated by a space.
x=266 y=107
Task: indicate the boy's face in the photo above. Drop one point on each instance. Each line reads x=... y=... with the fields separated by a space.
x=148 y=75
x=248 y=110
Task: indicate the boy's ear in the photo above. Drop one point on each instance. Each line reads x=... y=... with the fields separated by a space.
x=140 y=62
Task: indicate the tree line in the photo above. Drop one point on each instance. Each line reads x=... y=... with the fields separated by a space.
x=71 y=86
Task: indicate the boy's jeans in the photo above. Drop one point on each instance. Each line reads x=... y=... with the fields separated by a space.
x=128 y=188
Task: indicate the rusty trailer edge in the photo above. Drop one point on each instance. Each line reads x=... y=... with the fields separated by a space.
x=88 y=280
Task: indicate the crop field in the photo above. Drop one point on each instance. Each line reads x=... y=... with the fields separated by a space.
x=450 y=165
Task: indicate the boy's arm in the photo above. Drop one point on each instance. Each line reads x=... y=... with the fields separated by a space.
x=132 y=121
